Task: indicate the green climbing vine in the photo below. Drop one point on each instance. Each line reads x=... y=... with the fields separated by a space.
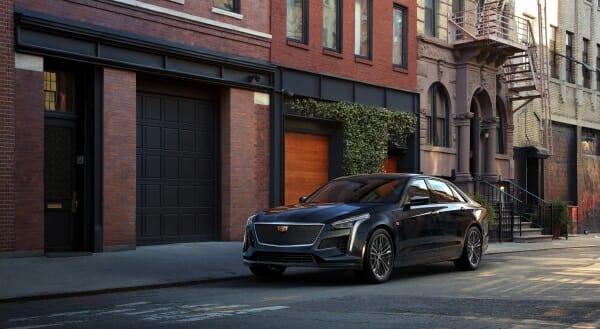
x=367 y=130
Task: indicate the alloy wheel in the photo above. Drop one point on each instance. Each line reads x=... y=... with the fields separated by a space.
x=380 y=256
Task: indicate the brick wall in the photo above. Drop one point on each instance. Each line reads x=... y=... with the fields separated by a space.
x=245 y=160
x=159 y=23
x=7 y=132
x=119 y=171
x=311 y=57
x=29 y=170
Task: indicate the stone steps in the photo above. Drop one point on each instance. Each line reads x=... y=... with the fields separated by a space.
x=528 y=234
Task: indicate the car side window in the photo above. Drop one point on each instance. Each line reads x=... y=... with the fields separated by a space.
x=457 y=195
x=441 y=192
x=417 y=188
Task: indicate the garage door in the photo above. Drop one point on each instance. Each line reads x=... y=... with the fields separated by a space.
x=306 y=164
x=176 y=171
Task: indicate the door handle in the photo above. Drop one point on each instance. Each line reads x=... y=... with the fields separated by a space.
x=74 y=203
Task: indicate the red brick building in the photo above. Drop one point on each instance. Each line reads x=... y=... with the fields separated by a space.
x=353 y=51
x=155 y=121
x=131 y=122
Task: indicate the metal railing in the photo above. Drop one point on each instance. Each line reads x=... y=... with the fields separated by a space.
x=514 y=204
x=488 y=24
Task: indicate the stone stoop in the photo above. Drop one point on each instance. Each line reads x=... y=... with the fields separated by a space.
x=529 y=234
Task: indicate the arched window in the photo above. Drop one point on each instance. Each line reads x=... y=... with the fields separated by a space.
x=439 y=116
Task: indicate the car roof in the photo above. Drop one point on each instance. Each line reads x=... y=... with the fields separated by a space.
x=384 y=175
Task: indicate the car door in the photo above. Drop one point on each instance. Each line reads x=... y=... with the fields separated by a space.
x=451 y=220
x=414 y=225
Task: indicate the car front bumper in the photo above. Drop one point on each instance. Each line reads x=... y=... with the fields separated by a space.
x=333 y=249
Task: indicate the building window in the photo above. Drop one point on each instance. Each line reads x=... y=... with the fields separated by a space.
x=229 y=5
x=331 y=25
x=500 y=149
x=585 y=67
x=439 y=114
x=431 y=12
x=553 y=52
x=569 y=58
x=399 y=38
x=297 y=20
x=362 y=28
x=59 y=93
x=598 y=67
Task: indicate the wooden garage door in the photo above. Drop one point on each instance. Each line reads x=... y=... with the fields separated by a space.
x=306 y=164
x=176 y=172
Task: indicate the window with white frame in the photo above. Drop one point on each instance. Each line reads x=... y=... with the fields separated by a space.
x=229 y=5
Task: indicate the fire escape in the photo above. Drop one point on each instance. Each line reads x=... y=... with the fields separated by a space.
x=507 y=41
x=512 y=44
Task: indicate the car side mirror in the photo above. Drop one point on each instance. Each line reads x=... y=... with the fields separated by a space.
x=303 y=199
x=417 y=201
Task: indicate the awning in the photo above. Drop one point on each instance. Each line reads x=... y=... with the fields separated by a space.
x=536 y=152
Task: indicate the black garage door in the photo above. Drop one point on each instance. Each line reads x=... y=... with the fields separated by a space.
x=176 y=171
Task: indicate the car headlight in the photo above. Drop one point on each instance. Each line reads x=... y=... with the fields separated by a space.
x=250 y=220
x=349 y=222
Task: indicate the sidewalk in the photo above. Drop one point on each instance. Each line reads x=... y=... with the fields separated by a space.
x=163 y=265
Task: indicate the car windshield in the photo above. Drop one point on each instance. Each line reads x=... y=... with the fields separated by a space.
x=350 y=190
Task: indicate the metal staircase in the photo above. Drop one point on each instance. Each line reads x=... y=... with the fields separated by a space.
x=526 y=75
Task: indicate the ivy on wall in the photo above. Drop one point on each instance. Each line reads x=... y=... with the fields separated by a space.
x=367 y=130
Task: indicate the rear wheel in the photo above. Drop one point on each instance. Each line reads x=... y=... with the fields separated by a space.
x=379 y=257
x=267 y=271
x=472 y=250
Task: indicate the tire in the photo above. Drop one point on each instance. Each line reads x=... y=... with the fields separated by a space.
x=472 y=251
x=267 y=271
x=378 y=263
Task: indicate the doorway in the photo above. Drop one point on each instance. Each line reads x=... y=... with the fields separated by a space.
x=64 y=226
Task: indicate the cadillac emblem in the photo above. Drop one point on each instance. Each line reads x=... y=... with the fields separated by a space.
x=282 y=228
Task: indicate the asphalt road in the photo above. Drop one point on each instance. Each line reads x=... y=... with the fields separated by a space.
x=544 y=289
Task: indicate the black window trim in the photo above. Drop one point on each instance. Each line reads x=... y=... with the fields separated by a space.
x=404 y=40
x=433 y=25
x=369 y=55
x=304 y=39
x=569 y=71
x=338 y=28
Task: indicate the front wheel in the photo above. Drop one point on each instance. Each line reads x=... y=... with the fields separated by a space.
x=472 y=250
x=267 y=271
x=379 y=257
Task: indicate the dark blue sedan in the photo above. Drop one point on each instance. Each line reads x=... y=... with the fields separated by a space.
x=370 y=224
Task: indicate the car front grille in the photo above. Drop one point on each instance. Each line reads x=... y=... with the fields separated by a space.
x=283 y=257
x=287 y=234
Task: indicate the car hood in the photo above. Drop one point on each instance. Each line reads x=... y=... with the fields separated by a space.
x=315 y=212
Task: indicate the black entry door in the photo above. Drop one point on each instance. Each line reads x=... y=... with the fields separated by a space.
x=62 y=225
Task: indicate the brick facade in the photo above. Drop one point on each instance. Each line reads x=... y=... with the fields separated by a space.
x=29 y=170
x=245 y=159
x=119 y=160
x=164 y=20
x=311 y=57
x=7 y=128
